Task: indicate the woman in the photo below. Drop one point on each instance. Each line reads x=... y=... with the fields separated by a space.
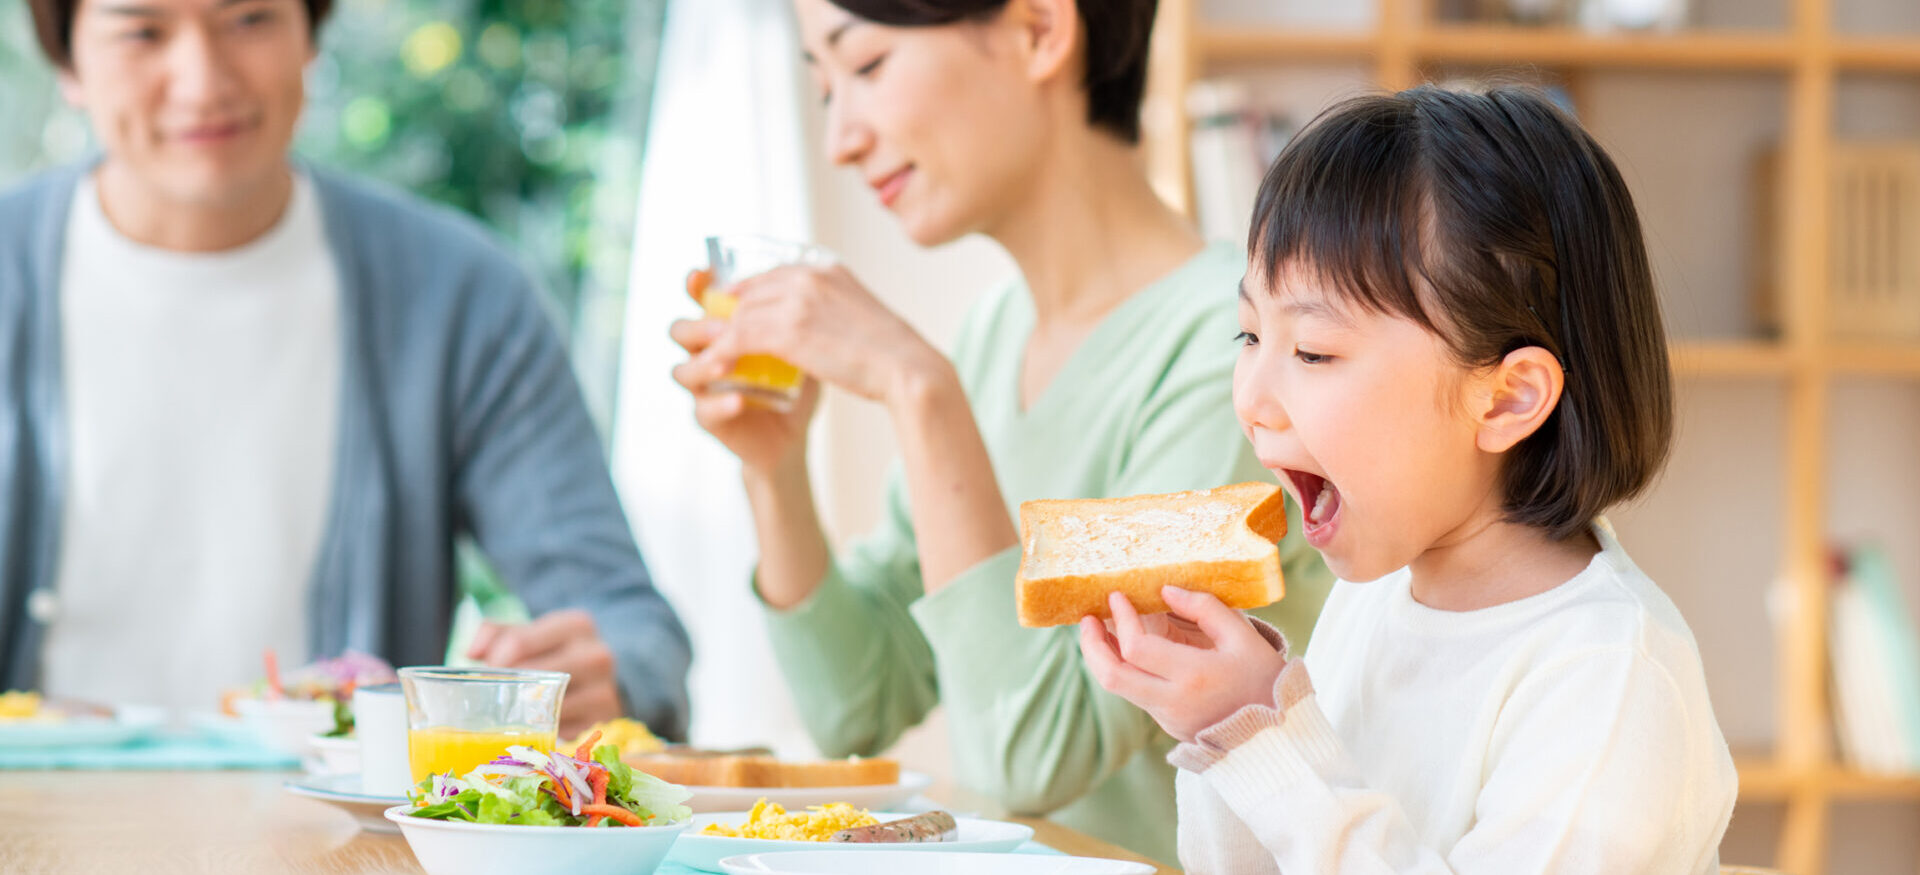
x=1104 y=370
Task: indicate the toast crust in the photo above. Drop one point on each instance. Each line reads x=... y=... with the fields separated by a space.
x=1248 y=582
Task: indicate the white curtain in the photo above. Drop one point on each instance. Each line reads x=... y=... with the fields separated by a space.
x=726 y=152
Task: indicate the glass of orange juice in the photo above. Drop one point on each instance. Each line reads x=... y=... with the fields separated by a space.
x=763 y=379
x=460 y=718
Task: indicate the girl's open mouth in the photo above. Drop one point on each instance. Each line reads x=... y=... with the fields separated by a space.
x=1320 y=506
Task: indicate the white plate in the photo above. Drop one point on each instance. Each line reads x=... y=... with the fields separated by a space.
x=705 y=852
x=285 y=724
x=225 y=729
x=888 y=796
x=343 y=791
x=451 y=847
x=127 y=725
x=338 y=756
x=934 y=863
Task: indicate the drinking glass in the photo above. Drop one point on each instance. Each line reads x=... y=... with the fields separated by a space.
x=763 y=379
x=460 y=718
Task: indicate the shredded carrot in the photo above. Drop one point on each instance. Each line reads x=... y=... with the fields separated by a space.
x=584 y=752
x=613 y=812
x=597 y=778
x=561 y=792
x=273 y=676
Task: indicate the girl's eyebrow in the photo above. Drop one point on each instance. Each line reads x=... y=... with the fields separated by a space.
x=1338 y=317
x=1298 y=307
x=1294 y=306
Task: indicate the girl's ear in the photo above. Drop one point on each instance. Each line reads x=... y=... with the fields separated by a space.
x=1520 y=392
x=1050 y=31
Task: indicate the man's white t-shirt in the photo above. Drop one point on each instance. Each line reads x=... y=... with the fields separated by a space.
x=202 y=395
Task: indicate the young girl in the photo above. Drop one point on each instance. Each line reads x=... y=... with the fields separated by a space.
x=1453 y=357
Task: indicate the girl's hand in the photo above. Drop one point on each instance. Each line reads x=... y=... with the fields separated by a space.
x=764 y=438
x=1186 y=678
x=823 y=320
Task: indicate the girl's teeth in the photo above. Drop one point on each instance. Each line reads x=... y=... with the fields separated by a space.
x=1320 y=502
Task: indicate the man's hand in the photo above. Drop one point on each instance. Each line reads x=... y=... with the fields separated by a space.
x=561 y=641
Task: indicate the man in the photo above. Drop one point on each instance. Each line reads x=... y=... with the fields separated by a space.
x=246 y=404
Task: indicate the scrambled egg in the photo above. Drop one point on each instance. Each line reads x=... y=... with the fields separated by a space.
x=16 y=705
x=631 y=736
x=770 y=821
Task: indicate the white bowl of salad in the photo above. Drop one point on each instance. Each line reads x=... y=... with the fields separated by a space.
x=532 y=811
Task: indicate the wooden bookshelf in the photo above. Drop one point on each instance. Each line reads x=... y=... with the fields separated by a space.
x=1221 y=44
x=1702 y=358
x=1871 y=360
x=1802 y=771
x=1884 y=55
x=1763 y=780
x=1573 y=48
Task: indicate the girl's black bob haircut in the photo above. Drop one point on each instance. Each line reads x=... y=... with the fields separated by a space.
x=1494 y=220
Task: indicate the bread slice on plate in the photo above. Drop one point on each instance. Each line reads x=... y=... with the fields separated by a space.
x=766 y=771
x=1076 y=551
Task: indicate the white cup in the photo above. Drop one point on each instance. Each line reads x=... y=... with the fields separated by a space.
x=380 y=720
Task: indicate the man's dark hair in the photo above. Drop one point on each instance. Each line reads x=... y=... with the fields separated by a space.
x=1495 y=221
x=53 y=24
x=1117 y=33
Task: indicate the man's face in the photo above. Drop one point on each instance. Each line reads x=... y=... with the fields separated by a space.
x=196 y=99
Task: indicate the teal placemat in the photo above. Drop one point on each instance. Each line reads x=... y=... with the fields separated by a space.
x=160 y=752
x=671 y=868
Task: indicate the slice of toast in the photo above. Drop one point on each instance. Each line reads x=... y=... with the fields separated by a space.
x=766 y=771
x=829 y=773
x=1076 y=551
x=686 y=771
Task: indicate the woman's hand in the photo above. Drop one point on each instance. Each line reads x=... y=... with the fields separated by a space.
x=1189 y=671
x=824 y=321
x=764 y=438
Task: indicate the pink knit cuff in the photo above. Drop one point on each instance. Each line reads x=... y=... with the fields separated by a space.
x=1212 y=744
x=1272 y=633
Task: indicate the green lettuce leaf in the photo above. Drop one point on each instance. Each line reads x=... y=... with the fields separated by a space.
x=645 y=794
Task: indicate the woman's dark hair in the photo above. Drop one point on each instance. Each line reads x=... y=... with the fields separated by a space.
x=53 y=24
x=1117 y=32
x=1495 y=221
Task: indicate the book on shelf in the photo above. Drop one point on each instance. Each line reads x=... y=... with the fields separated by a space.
x=1875 y=657
x=1234 y=137
x=1595 y=15
x=1232 y=143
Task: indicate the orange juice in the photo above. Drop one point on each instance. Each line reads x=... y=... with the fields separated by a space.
x=438 y=750
x=759 y=376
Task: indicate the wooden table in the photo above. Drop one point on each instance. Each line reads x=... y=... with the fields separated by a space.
x=221 y=822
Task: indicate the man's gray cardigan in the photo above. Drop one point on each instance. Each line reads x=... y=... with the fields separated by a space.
x=459 y=414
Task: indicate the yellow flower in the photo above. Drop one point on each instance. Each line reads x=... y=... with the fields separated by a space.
x=431 y=48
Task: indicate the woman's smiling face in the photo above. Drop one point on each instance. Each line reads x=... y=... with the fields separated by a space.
x=1365 y=419
x=944 y=123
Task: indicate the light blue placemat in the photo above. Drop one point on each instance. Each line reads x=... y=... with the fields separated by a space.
x=677 y=869
x=162 y=751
